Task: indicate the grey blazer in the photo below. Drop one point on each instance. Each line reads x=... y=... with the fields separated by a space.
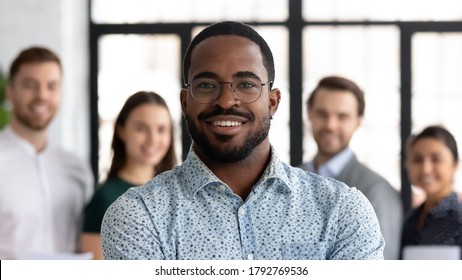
x=385 y=200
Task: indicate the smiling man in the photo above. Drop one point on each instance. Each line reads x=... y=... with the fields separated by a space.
x=43 y=189
x=233 y=198
x=336 y=110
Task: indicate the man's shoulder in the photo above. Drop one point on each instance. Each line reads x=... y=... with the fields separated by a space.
x=372 y=184
x=362 y=172
x=6 y=143
x=300 y=178
x=65 y=158
x=165 y=184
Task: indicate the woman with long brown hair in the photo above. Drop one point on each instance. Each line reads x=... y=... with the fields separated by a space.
x=142 y=148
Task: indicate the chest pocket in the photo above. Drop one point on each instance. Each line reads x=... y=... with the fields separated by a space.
x=304 y=251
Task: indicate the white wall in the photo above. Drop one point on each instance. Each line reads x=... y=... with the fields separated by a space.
x=61 y=25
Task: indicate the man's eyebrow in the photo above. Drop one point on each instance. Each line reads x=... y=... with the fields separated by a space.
x=246 y=74
x=205 y=75
x=240 y=74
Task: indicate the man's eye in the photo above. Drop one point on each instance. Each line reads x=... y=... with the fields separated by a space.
x=246 y=84
x=30 y=85
x=206 y=85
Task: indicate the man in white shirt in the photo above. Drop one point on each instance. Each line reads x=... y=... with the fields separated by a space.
x=43 y=189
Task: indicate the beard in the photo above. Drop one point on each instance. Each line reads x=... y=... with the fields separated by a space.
x=329 y=149
x=232 y=154
x=32 y=123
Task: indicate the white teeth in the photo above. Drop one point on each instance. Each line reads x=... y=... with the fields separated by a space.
x=226 y=123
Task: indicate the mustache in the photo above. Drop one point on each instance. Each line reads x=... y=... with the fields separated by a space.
x=221 y=112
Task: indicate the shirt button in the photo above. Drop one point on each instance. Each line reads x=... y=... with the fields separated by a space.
x=241 y=211
x=250 y=256
x=222 y=188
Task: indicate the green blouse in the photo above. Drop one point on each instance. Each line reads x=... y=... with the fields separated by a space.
x=104 y=196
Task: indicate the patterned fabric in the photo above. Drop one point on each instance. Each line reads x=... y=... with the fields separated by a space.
x=188 y=213
x=385 y=200
x=443 y=225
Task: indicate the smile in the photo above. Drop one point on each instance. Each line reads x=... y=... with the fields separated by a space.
x=226 y=123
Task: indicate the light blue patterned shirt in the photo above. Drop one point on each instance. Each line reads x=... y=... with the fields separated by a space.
x=188 y=213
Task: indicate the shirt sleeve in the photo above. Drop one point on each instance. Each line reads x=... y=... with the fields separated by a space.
x=127 y=231
x=359 y=236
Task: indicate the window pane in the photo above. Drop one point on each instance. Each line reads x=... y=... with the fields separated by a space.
x=277 y=39
x=369 y=56
x=437 y=84
x=131 y=63
x=155 y=11
x=391 y=10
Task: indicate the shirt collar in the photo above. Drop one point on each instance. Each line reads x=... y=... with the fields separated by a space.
x=334 y=166
x=20 y=141
x=203 y=176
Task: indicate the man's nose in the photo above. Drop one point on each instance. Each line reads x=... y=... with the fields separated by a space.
x=226 y=98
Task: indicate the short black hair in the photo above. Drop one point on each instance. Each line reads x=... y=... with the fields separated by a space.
x=231 y=28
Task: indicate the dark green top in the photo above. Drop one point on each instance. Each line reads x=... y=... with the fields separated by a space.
x=104 y=196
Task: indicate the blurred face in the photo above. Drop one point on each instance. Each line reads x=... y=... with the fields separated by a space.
x=35 y=94
x=146 y=134
x=431 y=167
x=334 y=118
x=228 y=130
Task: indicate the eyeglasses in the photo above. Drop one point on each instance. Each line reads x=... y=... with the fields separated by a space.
x=207 y=90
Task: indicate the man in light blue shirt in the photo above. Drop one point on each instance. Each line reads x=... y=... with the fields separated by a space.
x=333 y=167
x=233 y=198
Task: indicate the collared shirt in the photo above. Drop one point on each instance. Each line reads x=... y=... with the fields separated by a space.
x=334 y=166
x=188 y=213
x=42 y=196
x=442 y=226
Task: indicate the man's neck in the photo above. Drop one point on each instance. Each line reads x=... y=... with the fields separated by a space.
x=243 y=175
x=322 y=158
x=37 y=138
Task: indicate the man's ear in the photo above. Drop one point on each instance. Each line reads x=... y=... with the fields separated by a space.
x=274 y=100
x=184 y=100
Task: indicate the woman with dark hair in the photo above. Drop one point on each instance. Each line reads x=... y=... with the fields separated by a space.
x=142 y=148
x=432 y=161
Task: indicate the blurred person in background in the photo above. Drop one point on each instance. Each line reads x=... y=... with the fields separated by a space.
x=43 y=189
x=432 y=162
x=142 y=147
x=336 y=110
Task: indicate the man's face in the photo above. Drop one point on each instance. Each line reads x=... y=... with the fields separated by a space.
x=35 y=93
x=228 y=130
x=334 y=118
